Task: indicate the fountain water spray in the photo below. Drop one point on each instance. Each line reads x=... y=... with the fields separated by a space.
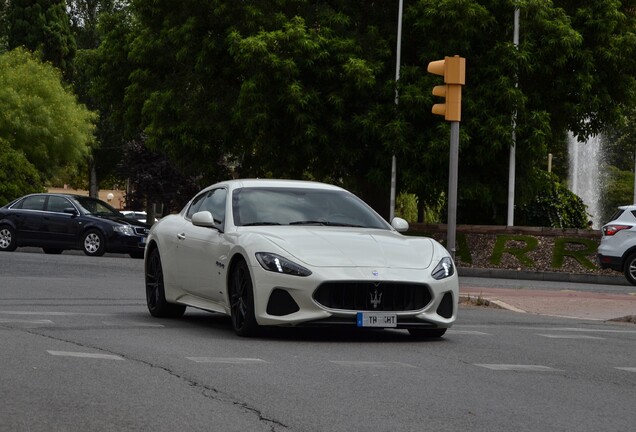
x=585 y=173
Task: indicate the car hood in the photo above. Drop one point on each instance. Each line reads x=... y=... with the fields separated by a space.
x=339 y=247
x=120 y=220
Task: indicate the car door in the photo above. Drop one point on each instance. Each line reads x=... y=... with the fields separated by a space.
x=62 y=228
x=28 y=217
x=203 y=250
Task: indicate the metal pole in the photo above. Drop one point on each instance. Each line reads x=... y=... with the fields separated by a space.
x=511 y=168
x=397 y=78
x=452 y=188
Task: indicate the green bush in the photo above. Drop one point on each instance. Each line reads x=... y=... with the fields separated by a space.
x=406 y=206
x=553 y=205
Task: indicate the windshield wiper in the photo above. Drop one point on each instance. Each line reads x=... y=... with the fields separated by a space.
x=260 y=223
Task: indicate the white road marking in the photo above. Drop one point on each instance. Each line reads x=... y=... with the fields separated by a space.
x=22 y=321
x=50 y=313
x=628 y=369
x=553 y=336
x=85 y=355
x=372 y=364
x=468 y=332
x=227 y=360
x=130 y=324
x=587 y=330
x=519 y=368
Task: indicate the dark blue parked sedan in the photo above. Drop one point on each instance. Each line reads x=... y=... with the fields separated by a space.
x=57 y=222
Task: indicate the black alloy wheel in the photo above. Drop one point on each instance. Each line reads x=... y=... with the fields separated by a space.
x=242 y=301
x=427 y=333
x=630 y=269
x=93 y=243
x=155 y=294
x=8 y=241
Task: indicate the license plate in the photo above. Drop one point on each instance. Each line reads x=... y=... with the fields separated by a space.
x=376 y=319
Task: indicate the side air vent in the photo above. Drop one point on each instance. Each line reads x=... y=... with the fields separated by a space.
x=281 y=303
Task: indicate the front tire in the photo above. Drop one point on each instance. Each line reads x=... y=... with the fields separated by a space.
x=630 y=269
x=427 y=333
x=242 y=301
x=155 y=292
x=93 y=243
x=8 y=241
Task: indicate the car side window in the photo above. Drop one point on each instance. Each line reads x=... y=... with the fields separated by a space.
x=58 y=204
x=35 y=202
x=214 y=202
x=194 y=207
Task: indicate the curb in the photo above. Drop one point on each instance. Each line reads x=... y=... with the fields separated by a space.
x=542 y=276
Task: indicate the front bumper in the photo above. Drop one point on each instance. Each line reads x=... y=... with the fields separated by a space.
x=439 y=312
x=119 y=243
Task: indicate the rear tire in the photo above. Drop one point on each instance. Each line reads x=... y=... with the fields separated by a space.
x=155 y=293
x=8 y=240
x=630 y=269
x=242 y=301
x=427 y=333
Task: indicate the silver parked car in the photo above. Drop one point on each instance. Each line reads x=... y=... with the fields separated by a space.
x=618 y=244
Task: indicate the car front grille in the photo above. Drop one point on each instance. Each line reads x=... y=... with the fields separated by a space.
x=141 y=231
x=373 y=296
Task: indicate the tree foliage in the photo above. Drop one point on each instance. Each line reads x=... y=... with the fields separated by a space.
x=17 y=175
x=306 y=88
x=40 y=117
x=142 y=167
x=42 y=26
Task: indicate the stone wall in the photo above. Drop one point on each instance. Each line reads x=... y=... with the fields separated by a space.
x=521 y=248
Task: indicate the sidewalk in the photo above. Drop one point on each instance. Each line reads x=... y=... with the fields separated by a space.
x=567 y=303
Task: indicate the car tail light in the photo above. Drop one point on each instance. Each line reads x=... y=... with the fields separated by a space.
x=610 y=230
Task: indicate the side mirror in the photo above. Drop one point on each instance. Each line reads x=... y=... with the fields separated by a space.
x=204 y=219
x=400 y=224
x=71 y=210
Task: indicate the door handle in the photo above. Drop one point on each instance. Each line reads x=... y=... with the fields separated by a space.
x=181 y=236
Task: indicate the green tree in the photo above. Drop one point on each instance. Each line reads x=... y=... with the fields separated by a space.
x=40 y=117
x=305 y=88
x=574 y=67
x=17 y=175
x=619 y=191
x=42 y=26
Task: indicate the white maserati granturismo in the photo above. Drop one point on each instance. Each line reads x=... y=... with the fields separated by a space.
x=292 y=253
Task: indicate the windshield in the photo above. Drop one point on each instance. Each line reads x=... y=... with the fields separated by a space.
x=299 y=206
x=96 y=207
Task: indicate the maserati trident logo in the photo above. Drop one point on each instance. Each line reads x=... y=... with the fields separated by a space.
x=376 y=298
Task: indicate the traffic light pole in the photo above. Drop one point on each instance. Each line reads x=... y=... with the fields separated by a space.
x=452 y=188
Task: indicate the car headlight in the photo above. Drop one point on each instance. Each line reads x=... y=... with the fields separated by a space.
x=124 y=229
x=278 y=264
x=444 y=269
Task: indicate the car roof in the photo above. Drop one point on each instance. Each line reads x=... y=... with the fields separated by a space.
x=305 y=184
x=57 y=194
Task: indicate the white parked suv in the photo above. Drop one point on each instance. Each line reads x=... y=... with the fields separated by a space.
x=618 y=244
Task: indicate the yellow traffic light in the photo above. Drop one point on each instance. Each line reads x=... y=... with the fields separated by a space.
x=453 y=69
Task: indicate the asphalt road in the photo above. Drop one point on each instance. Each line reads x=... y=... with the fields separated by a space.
x=80 y=352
